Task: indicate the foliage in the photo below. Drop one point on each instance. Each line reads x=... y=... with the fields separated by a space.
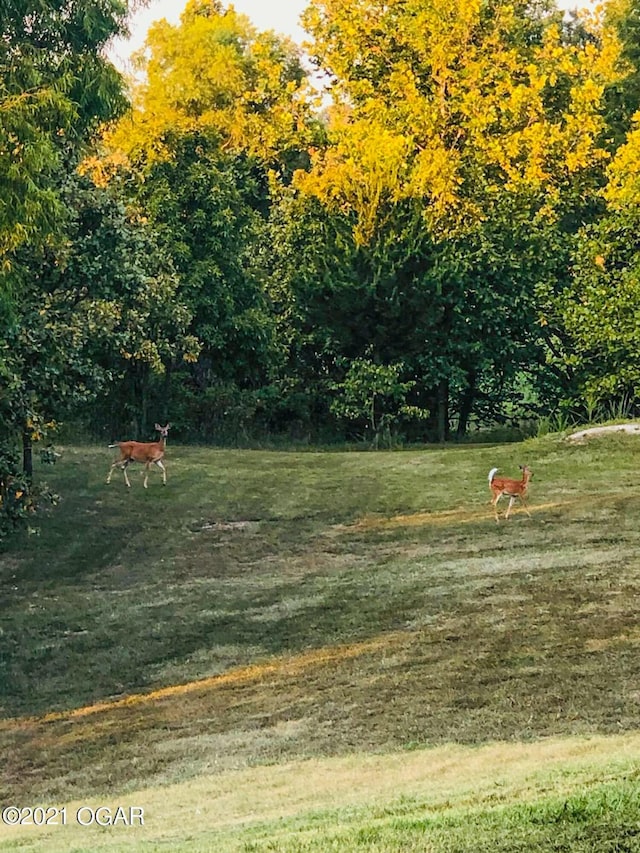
x=599 y=311
x=600 y=315
x=251 y=270
x=55 y=87
x=458 y=161
x=373 y=394
x=215 y=75
x=461 y=314
x=622 y=95
x=206 y=209
x=498 y=100
x=99 y=309
x=124 y=290
x=222 y=116
x=19 y=499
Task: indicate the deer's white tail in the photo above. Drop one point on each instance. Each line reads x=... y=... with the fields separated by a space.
x=492 y=473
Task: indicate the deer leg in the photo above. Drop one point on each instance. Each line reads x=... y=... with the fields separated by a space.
x=125 y=465
x=524 y=504
x=512 y=500
x=119 y=463
x=146 y=474
x=495 y=505
x=164 y=471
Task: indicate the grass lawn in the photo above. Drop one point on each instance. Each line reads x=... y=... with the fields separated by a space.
x=329 y=651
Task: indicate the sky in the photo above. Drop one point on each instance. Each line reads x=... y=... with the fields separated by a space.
x=279 y=15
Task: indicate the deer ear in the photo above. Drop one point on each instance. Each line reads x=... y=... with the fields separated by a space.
x=158 y=427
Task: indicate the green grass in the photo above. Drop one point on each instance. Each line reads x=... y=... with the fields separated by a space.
x=604 y=818
x=554 y=795
x=270 y=608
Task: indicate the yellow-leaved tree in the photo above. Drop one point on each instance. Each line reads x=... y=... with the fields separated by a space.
x=452 y=102
x=215 y=74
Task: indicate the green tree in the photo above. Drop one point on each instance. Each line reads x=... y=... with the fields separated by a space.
x=125 y=287
x=98 y=314
x=55 y=88
x=461 y=315
x=622 y=19
x=207 y=207
x=600 y=312
x=373 y=394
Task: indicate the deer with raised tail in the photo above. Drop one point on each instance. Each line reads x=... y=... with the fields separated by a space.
x=512 y=488
x=149 y=452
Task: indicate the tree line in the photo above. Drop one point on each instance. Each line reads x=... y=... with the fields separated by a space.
x=445 y=238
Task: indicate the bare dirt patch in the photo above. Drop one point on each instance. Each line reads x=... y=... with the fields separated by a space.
x=596 y=432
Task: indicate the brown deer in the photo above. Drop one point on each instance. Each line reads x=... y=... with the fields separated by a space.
x=149 y=452
x=512 y=488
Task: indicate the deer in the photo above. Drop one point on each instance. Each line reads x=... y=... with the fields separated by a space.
x=512 y=488
x=149 y=452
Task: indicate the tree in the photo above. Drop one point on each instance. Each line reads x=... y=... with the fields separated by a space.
x=373 y=395
x=55 y=88
x=599 y=311
x=215 y=75
x=622 y=19
x=222 y=117
x=495 y=101
x=460 y=315
x=489 y=131
x=124 y=286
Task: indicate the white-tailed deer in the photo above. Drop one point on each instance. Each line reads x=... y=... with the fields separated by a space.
x=149 y=452
x=512 y=488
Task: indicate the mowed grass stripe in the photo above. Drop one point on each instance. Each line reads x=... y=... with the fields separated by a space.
x=257 y=672
x=295 y=804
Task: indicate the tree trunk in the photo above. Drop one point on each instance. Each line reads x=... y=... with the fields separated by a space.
x=166 y=395
x=144 y=403
x=443 y=410
x=27 y=454
x=466 y=404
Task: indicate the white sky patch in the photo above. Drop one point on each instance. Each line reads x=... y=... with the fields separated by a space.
x=283 y=16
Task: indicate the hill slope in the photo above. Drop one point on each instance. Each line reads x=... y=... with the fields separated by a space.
x=270 y=609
